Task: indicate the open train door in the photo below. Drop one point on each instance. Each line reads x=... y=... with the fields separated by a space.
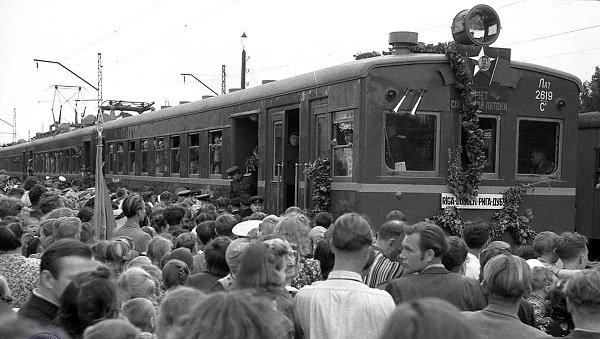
x=283 y=168
x=320 y=140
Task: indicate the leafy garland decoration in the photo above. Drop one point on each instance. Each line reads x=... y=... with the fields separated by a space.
x=319 y=174
x=464 y=184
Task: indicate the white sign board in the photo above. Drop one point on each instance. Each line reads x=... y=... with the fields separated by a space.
x=481 y=202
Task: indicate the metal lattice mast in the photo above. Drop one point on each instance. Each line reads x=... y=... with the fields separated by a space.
x=223 y=86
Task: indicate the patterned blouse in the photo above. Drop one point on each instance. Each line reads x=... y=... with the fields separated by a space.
x=541 y=308
x=310 y=271
x=22 y=276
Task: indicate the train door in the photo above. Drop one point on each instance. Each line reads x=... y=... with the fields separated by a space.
x=245 y=144
x=284 y=166
x=320 y=145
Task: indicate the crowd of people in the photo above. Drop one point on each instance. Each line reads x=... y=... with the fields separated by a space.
x=185 y=265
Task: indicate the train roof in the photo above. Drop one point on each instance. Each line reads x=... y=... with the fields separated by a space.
x=589 y=120
x=351 y=70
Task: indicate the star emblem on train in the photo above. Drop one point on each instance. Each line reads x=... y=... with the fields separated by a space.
x=491 y=62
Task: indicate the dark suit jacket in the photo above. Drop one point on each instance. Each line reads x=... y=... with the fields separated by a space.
x=39 y=309
x=465 y=293
x=579 y=334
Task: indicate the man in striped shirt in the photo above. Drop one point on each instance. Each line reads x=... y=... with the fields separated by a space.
x=388 y=244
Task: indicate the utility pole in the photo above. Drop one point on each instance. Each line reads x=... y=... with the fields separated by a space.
x=223 y=86
x=99 y=84
x=14 y=124
x=243 y=82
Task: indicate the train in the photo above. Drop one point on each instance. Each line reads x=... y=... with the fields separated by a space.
x=387 y=125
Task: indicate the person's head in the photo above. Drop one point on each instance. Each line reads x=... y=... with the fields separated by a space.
x=542 y=279
x=15 y=192
x=544 y=244
x=87 y=233
x=157 y=221
x=526 y=252
x=88 y=299
x=500 y=245
x=293 y=139
x=235 y=252
x=86 y=214
x=256 y=203
x=283 y=251
x=206 y=231
x=49 y=201
x=166 y=197
x=428 y=318
x=325 y=257
x=35 y=193
x=214 y=254
x=224 y=225
x=476 y=235
x=61 y=262
x=140 y=313
x=30 y=182
x=99 y=250
x=583 y=296
x=175 y=273
x=187 y=240
x=456 y=255
x=389 y=238
x=294 y=227
x=234 y=173
x=112 y=328
x=117 y=253
x=425 y=244
x=173 y=215
x=506 y=277
x=182 y=254
x=10 y=206
x=237 y=314
x=537 y=157
x=260 y=269
x=157 y=248
x=66 y=228
x=572 y=249
x=10 y=236
x=135 y=282
x=351 y=238
x=324 y=219
x=267 y=225
x=176 y=304
x=59 y=213
x=488 y=254
x=133 y=206
x=395 y=215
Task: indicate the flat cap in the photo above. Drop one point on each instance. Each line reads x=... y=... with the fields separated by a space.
x=232 y=170
x=256 y=198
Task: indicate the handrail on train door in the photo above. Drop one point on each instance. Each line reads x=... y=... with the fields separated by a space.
x=296 y=183
x=279 y=167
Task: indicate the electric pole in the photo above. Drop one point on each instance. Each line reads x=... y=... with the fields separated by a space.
x=243 y=82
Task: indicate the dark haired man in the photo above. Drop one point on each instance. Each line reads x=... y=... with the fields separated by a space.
x=60 y=263
x=216 y=266
x=475 y=236
x=173 y=216
x=343 y=306
x=422 y=250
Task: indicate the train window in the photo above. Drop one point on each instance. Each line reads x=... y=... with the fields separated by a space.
x=538 y=146
x=120 y=157
x=215 y=143
x=175 y=165
x=145 y=146
x=159 y=153
x=194 y=153
x=278 y=149
x=410 y=142
x=343 y=148
x=489 y=126
x=131 y=167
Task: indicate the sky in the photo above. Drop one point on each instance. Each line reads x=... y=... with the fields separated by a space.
x=146 y=45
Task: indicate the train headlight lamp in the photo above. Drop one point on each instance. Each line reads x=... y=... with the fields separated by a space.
x=479 y=25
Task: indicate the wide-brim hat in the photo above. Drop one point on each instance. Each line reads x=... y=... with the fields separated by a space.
x=243 y=228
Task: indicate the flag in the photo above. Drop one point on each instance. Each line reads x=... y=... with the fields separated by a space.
x=104 y=218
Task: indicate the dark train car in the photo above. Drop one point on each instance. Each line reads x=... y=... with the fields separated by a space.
x=588 y=175
x=386 y=123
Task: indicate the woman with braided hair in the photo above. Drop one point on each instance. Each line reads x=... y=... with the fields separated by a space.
x=175 y=273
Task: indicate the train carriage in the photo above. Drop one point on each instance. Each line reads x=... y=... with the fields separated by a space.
x=385 y=123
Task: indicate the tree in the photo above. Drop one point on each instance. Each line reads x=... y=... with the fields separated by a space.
x=589 y=100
